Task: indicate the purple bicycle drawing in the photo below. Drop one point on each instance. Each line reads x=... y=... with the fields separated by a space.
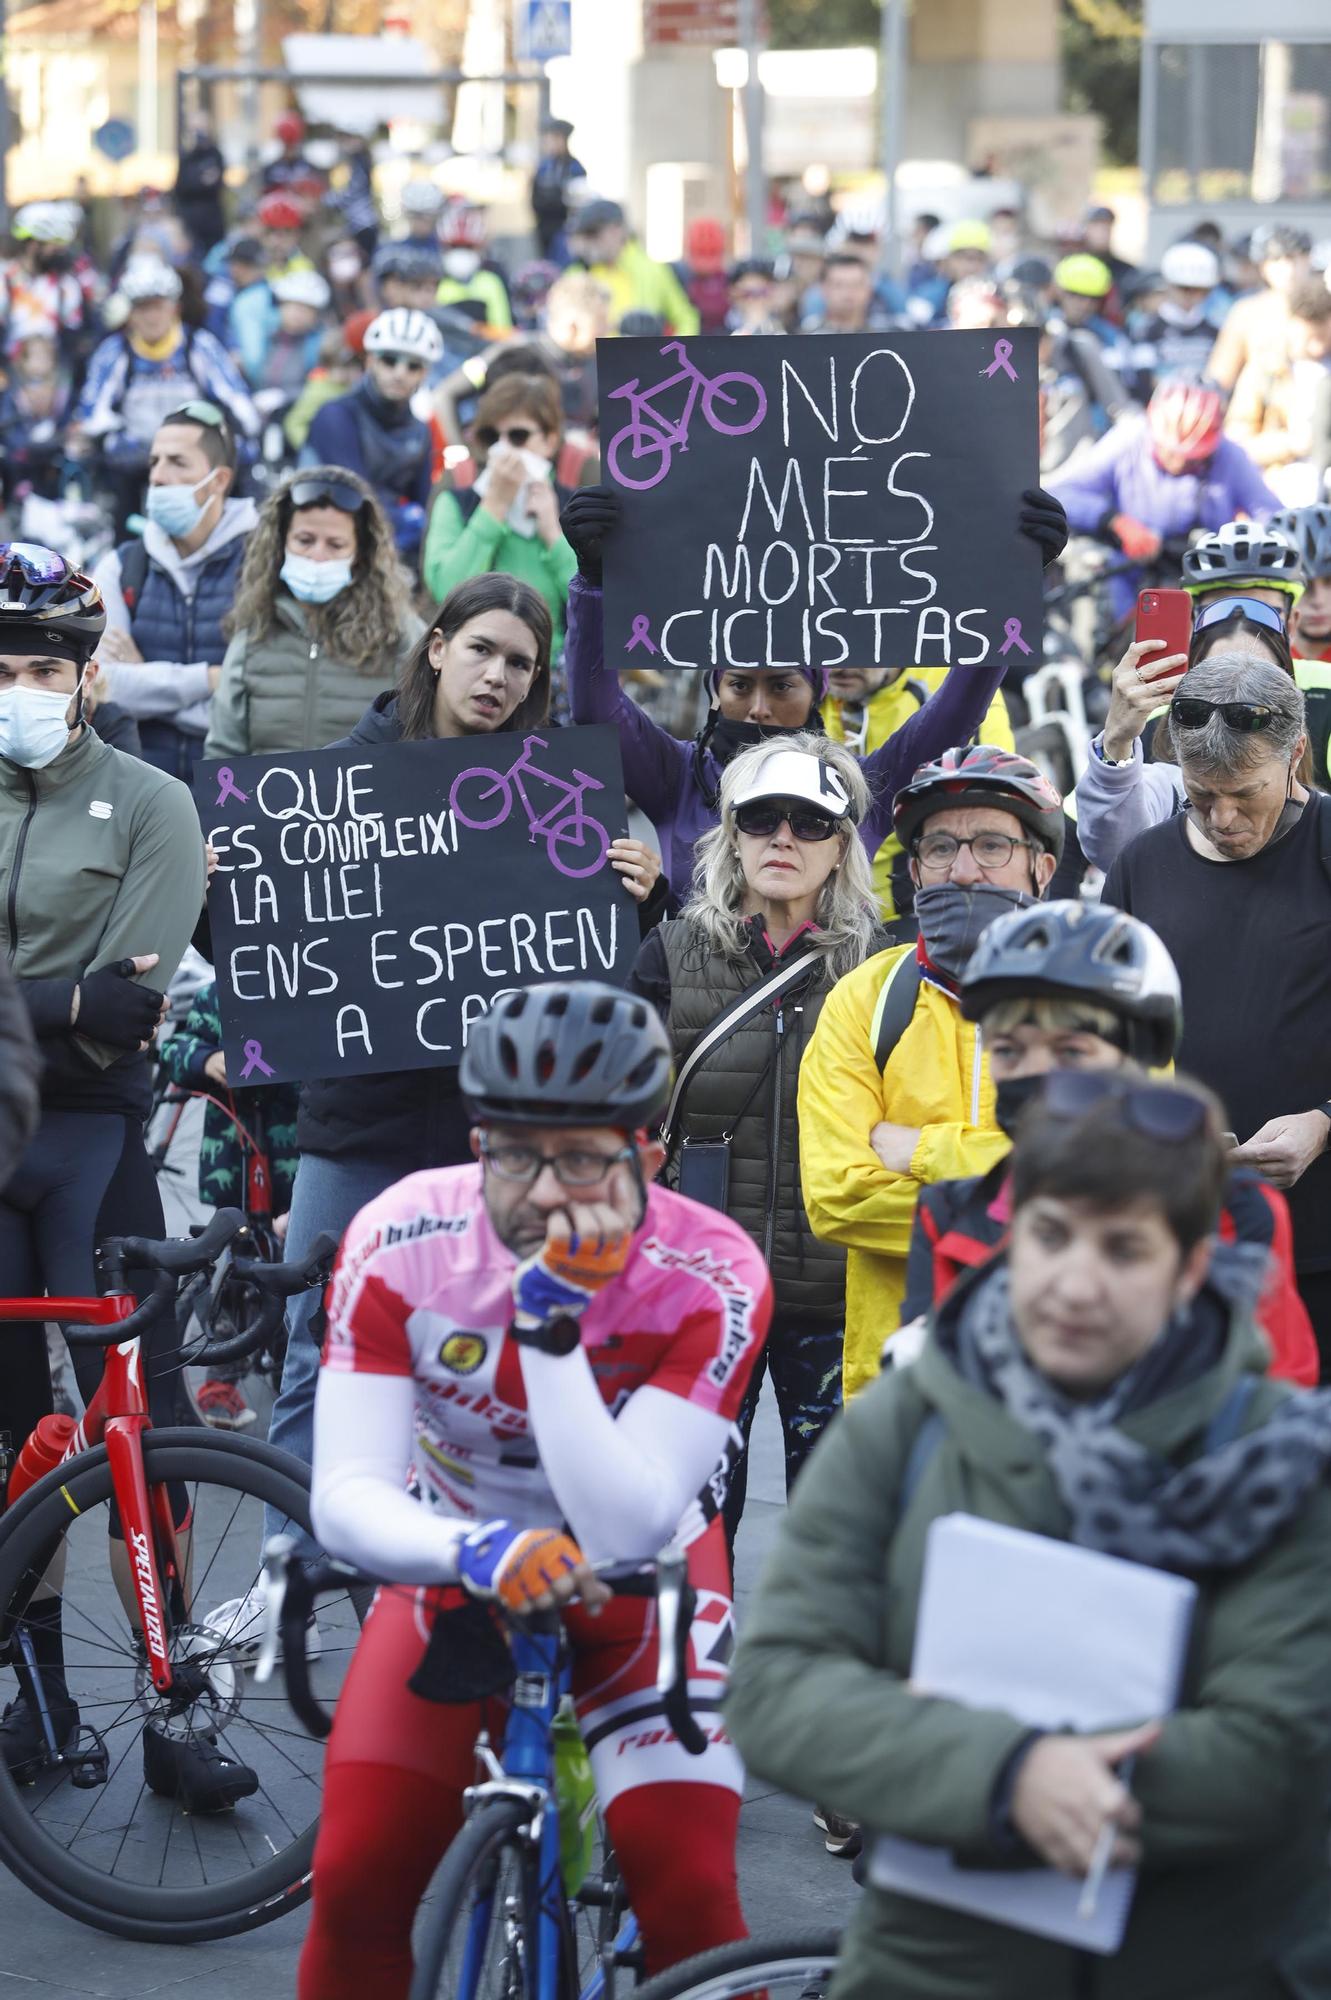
x=640 y=454
x=576 y=843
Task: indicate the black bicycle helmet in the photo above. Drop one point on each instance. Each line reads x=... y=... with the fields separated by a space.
x=47 y=607
x=1278 y=239
x=571 y=1054
x=410 y=263
x=980 y=774
x=1242 y=551
x=1081 y=951
x=1309 y=528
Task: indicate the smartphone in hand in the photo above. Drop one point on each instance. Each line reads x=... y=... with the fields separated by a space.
x=1167 y=615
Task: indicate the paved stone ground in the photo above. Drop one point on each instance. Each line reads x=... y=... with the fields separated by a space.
x=788 y=1881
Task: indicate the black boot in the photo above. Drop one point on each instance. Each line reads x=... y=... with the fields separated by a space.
x=194 y=1769
x=39 y=1662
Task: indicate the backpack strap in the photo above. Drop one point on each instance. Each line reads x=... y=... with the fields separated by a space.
x=923 y=1446
x=1228 y=1420
x=895 y=1007
x=133 y=572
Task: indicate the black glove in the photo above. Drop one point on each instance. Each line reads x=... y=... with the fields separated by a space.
x=113 y=1010
x=589 y=516
x=1043 y=519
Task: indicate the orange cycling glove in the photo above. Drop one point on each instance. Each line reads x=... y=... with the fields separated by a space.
x=564 y=1276
x=514 y=1566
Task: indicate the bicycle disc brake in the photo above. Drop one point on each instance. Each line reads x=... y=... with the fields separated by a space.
x=207 y=1685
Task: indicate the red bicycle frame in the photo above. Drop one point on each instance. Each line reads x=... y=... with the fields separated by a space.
x=117 y=1416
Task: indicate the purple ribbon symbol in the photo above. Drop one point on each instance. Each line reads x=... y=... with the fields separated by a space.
x=227 y=788
x=254 y=1060
x=641 y=634
x=1002 y=359
x=1012 y=637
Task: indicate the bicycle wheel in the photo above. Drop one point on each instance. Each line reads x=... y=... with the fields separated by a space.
x=646 y=455
x=720 y=403
x=494 y=802
x=114 y=1853
x=577 y=845
x=754 y=1969
x=479 y=1941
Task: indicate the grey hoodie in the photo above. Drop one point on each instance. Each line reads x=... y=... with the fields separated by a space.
x=174 y=691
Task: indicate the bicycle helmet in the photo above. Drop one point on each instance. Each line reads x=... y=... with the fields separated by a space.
x=281 y=211
x=567 y=1054
x=47 y=607
x=289 y=129
x=979 y=774
x=405 y=330
x=45 y=222
x=1309 y=529
x=302 y=288
x=1186 y=415
x=1242 y=552
x=1277 y=239
x=1191 y=266
x=1084 y=276
x=462 y=226
x=411 y=263
x=148 y=278
x=1081 y=951
x=420 y=197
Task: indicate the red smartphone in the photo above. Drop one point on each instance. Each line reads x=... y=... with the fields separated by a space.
x=1167 y=615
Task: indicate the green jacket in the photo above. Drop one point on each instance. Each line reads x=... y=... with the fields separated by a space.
x=286 y=692
x=101 y=858
x=459 y=546
x=1234 y=1900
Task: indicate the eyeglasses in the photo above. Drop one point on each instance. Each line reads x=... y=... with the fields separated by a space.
x=571 y=1170
x=763 y=817
x=37 y=564
x=516 y=434
x=206 y=414
x=1249 y=718
x=408 y=361
x=1152 y=1109
x=327 y=493
x=1225 y=608
x=988 y=850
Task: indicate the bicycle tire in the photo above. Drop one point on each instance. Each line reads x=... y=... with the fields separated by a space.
x=479 y=1846
x=738 y=1971
x=716 y=391
x=151 y=1915
x=658 y=449
x=500 y=783
x=565 y=831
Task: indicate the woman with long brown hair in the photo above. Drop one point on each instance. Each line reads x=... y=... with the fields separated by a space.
x=322 y=619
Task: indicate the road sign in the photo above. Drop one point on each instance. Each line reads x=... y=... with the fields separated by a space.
x=705 y=23
x=544 y=29
x=115 y=139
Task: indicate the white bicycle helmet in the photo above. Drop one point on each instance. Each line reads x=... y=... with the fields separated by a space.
x=405 y=330
x=421 y=197
x=1309 y=528
x=302 y=288
x=148 y=278
x=1190 y=265
x=1241 y=551
x=45 y=222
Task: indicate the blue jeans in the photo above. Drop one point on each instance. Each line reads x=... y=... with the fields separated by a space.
x=328 y=1194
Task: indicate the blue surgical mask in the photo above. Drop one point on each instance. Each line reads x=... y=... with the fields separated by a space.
x=315 y=582
x=34 y=725
x=175 y=509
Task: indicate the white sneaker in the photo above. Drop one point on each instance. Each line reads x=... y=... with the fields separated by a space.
x=238 y=1627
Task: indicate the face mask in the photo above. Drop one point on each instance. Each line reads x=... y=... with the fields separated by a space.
x=315 y=582
x=725 y=739
x=34 y=725
x=175 y=509
x=953 y=918
x=461 y=264
x=1014 y=1094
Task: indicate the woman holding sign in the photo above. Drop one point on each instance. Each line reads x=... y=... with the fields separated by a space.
x=1096 y=1384
x=322 y=619
x=783 y=905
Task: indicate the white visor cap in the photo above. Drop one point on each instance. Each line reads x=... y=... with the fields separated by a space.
x=797 y=774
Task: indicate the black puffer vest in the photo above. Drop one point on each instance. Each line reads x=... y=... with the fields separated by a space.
x=746 y=1087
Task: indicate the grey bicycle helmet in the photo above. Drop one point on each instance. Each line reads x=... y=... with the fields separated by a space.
x=1309 y=528
x=579 y=1053
x=1241 y=550
x=1081 y=951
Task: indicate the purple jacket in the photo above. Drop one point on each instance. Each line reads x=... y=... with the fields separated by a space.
x=676 y=787
x=1119 y=475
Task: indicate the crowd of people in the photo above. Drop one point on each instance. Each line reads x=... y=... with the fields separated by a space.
x=991 y=1123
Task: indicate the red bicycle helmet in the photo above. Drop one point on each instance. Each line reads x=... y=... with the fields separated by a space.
x=980 y=774
x=462 y=226
x=289 y=129
x=281 y=211
x=1186 y=417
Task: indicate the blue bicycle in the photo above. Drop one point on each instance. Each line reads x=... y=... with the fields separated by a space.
x=502 y=1925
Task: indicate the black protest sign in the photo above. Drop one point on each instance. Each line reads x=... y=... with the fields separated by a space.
x=827 y=500
x=370 y=904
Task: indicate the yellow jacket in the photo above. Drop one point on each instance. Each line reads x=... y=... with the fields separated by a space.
x=637 y=283
x=883 y=715
x=937 y=1079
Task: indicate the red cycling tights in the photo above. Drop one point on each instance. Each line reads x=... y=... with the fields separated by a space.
x=397 y=1767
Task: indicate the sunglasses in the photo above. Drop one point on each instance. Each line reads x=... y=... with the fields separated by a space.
x=1249 y=718
x=1225 y=608
x=402 y=361
x=327 y=493
x=206 y=414
x=1152 y=1109
x=37 y=564
x=516 y=434
x=764 y=816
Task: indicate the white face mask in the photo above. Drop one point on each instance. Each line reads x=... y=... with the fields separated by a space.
x=34 y=725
